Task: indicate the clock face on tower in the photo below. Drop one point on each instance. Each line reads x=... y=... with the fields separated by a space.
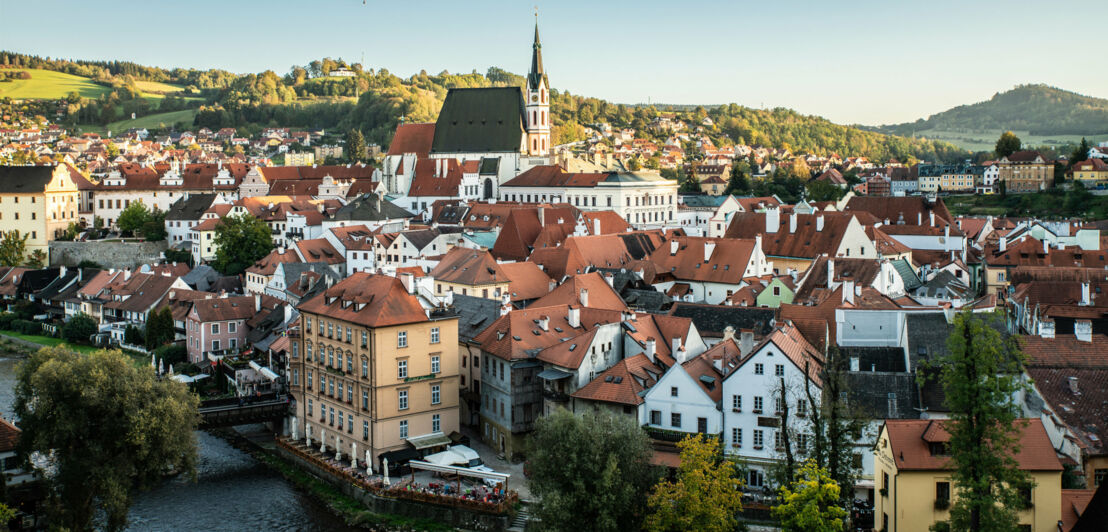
x=535 y=98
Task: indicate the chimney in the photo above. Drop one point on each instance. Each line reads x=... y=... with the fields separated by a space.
x=728 y=333
x=830 y=273
x=257 y=303
x=1086 y=300
x=551 y=286
x=919 y=218
x=651 y=348
x=573 y=316
x=596 y=226
x=773 y=219
x=946 y=232
x=61 y=271
x=1046 y=328
x=709 y=247
x=505 y=309
x=746 y=341
x=409 y=282
x=542 y=217
x=854 y=364
x=544 y=323
x=584 y=297
x=1046 y=247
x=673 y=246
x=126 y=274
x=610 y=279
x=819 y=223
x=1003 y=244
x=848 y=292
x=792 y=222
x=675 y=344
x=932 y=214
x=1083 y=330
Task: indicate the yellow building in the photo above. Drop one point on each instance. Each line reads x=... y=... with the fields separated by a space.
x=713 y=185
x=1025 y=171
x=306 y=158
x=374 y=372
x=37 y=201
x=913 y=476
x=1091 y=172
x=470 y=272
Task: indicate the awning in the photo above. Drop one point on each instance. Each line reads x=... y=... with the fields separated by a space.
x=463 y=471
x=427 y=441
x=552 y=374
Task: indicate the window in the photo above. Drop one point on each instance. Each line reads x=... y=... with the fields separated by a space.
x=340 y=389
x=1099 y=476
x=349 y=362
x=401 y=369
x=801 y=408
x=402 y=400
x=435 y=366
x=215 y=345
x=759 y=369
x=215 y=328
x=675 y=420
x=365 y=367
x=436 y=397
x=402 y=339
x=737 y=403
x=942 y=495
x=436 y=423
x=364 y=339
x=234 y=343
x=295 y=377
x=310 y=409
x=655 y=417
x=365 y=400
x=331 y=387
x=758 y=438
x=736 y=437
x=673 y=391
x=756 y=479
x=232 y=327
x=758 y=404
x=404 y=428
x=322 y=383
x=322 y=412
x=779 y=439
x=802 y=442
x=340 y=360
x=434 y=335
x=331 y=330
x=330 y=356
x=1025 y=497
x=350 y=423
x=308 y=379
x=779 y=370
x=884 y=484
x=331 y=411
x=340 y=420
x=365 y=430
x=321 y=327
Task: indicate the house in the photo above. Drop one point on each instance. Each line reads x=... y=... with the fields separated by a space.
x=1091 y=172
x=470 y=272
x=713 y=185
x=39 y=202
x=784 y=371
x=913 y=468
x=1025 y=171
x=217 y=327
x=794 y=242
x=640 y=198
x=686 y=397
x=367 y=341
x=185 y=214
x=708 y=270
x=260 y=273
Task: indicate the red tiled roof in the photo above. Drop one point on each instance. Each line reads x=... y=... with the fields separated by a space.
x=469 y=267
x=600 y=295
x=319 y=250
x=911 y=451
x=554 y=176
x=727 y=264
x=623 y=382
x=412 y=138
x=367 y=299
x=268 y=264
x=1074 y=503
x=223 y=309
x=526 y=280
x=9 y=436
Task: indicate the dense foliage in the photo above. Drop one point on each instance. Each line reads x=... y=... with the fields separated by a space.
x=704 y=496
x=589 y=472
x=810 y=503
x=79 y=329
x=240 y=241
x=1039 y=109
x=102 y=427
x=13 y=248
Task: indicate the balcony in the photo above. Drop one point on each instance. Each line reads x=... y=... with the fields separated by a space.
x=556 y=396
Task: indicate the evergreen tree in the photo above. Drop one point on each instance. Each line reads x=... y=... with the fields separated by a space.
x=1080 y=153
x=355 y=146
x=13 y=248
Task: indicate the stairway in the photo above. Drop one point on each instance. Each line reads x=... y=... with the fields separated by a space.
x=519 y=523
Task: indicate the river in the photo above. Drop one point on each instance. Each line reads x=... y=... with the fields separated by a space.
x=233 y=491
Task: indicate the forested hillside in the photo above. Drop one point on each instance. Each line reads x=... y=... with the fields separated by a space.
x=1038 y=109
x=375 y=101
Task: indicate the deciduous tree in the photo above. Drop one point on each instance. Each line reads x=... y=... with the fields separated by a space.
x=590 y=471
x=811 y=502
x=104 y=428
x=1008 y=144
x=13 y=248
x=705 y=496
x=133 y=217
x=240 y=241
x=79 y=329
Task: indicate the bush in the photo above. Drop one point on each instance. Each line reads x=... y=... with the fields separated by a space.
x=171 y=353
x=6 y=319
x=27 y=327
x=90 y=264
x=79 y=329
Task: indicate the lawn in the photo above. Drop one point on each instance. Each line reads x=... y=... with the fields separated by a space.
x=156 y=120
x=985 y=140
x=49 y=341
x=1052 y=205
x=47 y=84
x=157 y=87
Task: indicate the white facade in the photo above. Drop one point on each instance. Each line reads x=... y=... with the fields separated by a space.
x=678 y=403
x=643 y=200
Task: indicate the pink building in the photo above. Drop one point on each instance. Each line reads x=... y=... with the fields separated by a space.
x=219 y=325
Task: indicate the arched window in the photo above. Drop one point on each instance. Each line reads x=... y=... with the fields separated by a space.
x=543 y=122
x=544 y=149
x=534 y=144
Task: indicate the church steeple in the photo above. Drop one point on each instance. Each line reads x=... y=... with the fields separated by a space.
x=537 y=73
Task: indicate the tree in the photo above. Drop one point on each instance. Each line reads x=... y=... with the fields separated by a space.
x=355 y=145
x=79 y=329
x=107 y=428
x=154 y=227
x=834 y=424
x=13 y=248
x=133 y=217
x=823 y=190
x=159 y=328
x=1008 y=144
x=980 y=378
x=240 y=241
x=590 y=471
x=703 y=497
x=178 y=255
x=36 y=260
x=811 y=502
x=1080 y=153
x=740 y=181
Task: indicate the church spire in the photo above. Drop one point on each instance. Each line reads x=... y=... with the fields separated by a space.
x=537 y=73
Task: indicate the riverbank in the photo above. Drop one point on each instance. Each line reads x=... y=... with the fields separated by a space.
x=347 y=508
x=33 y=342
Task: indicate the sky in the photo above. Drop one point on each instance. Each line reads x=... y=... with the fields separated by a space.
x=852 y=61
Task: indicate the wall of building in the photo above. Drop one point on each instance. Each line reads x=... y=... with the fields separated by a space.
x=108 y=254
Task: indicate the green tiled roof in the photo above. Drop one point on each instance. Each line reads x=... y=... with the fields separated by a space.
x=911 y=280
x=480 y=120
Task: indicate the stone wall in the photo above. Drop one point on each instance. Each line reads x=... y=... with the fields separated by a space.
x=456 y=517
x=116 y=255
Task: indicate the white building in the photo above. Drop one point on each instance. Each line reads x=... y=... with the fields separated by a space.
x=644 y=199
x=686 y=398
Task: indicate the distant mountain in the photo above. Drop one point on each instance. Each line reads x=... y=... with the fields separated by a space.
x=1039 y=109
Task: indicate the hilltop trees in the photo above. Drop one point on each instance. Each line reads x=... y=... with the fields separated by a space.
x=105 y=428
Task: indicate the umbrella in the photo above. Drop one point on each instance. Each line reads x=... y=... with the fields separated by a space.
x=161 y=366
x=292 y=423
x=322 y=440
x=368 y=464
x=153 y=364
x=354 y=455
x=308 y=436
x=385 y=470
x=338 y=450
x=171 y=370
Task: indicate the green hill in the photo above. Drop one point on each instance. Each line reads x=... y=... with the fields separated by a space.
x=1037 y=110
x=48 y=84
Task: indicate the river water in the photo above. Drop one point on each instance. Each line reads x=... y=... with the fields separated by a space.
x=233 y=491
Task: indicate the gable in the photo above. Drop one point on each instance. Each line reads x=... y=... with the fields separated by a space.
x=687 y=388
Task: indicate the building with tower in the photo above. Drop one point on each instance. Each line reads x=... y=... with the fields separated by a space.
x=494 y=132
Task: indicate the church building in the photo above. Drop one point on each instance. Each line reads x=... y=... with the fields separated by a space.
x=493 y=133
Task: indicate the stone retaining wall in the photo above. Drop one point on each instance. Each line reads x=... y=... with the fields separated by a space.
x=456 y=517
x=116 y=255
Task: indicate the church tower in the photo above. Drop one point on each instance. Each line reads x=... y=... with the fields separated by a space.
x=538 y=104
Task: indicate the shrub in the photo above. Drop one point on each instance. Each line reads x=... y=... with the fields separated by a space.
x=6 y=319
x=27 y=327
x=79 y=329
x=171 y=353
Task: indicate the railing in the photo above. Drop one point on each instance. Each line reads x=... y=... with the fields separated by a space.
x=556 y=396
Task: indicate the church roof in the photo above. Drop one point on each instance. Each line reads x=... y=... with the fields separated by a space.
x=536 y=75
x=480 y=120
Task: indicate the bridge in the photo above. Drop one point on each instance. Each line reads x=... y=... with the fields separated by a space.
x=234 y=411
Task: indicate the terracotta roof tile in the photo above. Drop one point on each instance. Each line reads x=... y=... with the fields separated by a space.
x=911 y=451
x=367 y=299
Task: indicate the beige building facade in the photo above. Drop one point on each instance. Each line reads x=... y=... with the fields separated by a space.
x=39 y=202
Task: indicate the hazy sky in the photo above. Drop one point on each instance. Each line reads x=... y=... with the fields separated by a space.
x=857 y=61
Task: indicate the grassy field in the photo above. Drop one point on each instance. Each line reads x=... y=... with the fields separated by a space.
x=50 y=342
x=47 y=84
x=157 y=87
x=149 y=121
x=1052 y=205
x=985 y=140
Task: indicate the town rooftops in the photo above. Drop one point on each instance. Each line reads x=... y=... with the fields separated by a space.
x=909 y=440
x=623 y=383
x=367 y=299
x=25 y=179
x=413 y=138
x=469 y=267
x=911 y=210
x=224 y=309
x=370 y=207
x=526 y=280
